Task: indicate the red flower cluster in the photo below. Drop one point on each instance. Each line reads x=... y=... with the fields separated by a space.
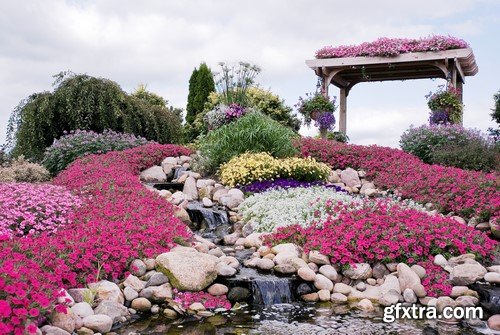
x=119 y=221
x=385 y=232
x=467 y=193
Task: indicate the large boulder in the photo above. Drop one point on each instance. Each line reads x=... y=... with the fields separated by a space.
x=350 y=177
x=99 y=323
x=188 y=270
x=467 y=273
x=154 y=174
x=117 y=312
x=407 y=278
x=106 y=290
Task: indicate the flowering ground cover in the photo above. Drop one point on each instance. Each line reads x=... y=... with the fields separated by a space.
x=28 y=209
x=467 y=193
x=119 y=221
x=390 y=47
x=283 y=183
x=384 y=231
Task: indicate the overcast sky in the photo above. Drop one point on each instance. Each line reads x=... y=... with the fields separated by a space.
x=158 y=43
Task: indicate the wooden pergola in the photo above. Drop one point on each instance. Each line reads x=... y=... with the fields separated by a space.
x=452 y=65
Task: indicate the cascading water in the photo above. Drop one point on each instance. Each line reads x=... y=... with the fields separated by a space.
x=271 y=291
x=211 y=222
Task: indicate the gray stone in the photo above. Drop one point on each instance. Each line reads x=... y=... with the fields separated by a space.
x=130 y=294
x=323 y=283
x=338 y=298
x=440 y=260
x=106 y=290
x=265 y=264
x=342 y=288
x=324 y=295
x=494 y=322
x=467 y=274
x=379 y=271
x=153 y=174
x=157 y=279
x=231 y=239
x=112 y=309
x=285 y=268
x=218 y=289
x=225 y=270
x=318 y=258
x=311 y=297
x=389 y=298
x=407 y=277
x=98 y=323
x=366 y=305
x=219 y=193
x=141 y=304
x=65 y=321
x=410 y=296
x=138 y=267
x=207 y=202
x=492 y=277
x=82 y=309
x=350 y=177
x=306 y=274
x=157 y=293
x=51 y=330
x=190 y=189
x=358 y=271
x=188 y=271
x=134 y=283
x=288 y=248
x=329 y=272
x=419 y=270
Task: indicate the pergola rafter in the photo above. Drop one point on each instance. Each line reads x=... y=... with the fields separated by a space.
x=344 y=73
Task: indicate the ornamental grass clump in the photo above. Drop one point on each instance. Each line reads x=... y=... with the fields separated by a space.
x=254 y=132
x=250 y=167
x=80 y=143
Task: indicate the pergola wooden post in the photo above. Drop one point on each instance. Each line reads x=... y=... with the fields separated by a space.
x=344 y=73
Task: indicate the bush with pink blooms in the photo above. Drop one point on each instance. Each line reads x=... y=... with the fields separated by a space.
x=466 y=193
x=28 y=209
x=119 y=220
x=383 y=231
x=391 y=47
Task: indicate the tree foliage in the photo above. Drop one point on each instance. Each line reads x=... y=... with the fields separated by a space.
x=80 y=101
x=201 y=84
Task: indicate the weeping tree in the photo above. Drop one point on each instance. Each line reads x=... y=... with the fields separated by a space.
x=80 y=101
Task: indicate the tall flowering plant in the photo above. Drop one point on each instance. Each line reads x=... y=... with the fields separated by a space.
x=318 y=108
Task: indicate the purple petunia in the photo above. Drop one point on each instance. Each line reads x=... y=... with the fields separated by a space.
x=261 y=186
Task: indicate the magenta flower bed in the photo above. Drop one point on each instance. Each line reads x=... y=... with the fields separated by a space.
x=119 y=221
x=390 y=47
x=28 y=209
x=467 y=193
x=384 y=232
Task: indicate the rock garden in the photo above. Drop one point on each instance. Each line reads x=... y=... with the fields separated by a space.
x=250 y=228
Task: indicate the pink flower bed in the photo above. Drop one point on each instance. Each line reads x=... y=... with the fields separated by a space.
x=119 y=221
x=390 y=47
x=27 y=209
x=467 y=193
x=381 y=232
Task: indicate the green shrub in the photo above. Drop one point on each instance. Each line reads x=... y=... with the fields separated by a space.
x=20 y=170
x=253 y=132
x=86 y=102
x=470 y=156
x=79 y=143
x=422 y=141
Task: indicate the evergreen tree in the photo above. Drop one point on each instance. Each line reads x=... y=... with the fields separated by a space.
x=201 y=84
x=190 y=109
